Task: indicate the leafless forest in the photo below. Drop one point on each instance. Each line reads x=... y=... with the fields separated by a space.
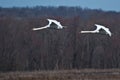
x=22 y=49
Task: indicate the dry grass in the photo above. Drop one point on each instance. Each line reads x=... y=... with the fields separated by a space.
x=84 y=74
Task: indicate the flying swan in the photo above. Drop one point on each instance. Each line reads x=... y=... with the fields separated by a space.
x=51 y=21
x=99 y=27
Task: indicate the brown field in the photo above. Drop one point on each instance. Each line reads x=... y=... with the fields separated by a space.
x=84 y=74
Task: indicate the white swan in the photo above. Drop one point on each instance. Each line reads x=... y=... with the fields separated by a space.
x=59 y=26
x=99 y=27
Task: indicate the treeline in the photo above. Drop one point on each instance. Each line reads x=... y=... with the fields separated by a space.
x=50 y=49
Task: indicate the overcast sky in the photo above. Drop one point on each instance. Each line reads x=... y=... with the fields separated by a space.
x=107 y=5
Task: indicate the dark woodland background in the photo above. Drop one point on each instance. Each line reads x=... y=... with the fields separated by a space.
x=51 y=49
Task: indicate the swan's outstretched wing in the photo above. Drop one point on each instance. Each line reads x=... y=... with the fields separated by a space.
x=104 y=28
x=98 y=27
x=59 y=26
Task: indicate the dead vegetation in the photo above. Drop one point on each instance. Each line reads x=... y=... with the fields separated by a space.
x=84 y=74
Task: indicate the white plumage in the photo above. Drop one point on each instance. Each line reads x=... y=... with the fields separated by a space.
x=99 y=27
x=59 y=26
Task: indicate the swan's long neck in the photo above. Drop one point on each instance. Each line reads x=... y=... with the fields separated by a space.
x=40 y=28
x=87 y=31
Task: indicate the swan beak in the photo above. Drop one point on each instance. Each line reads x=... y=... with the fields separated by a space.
x=33 y=29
